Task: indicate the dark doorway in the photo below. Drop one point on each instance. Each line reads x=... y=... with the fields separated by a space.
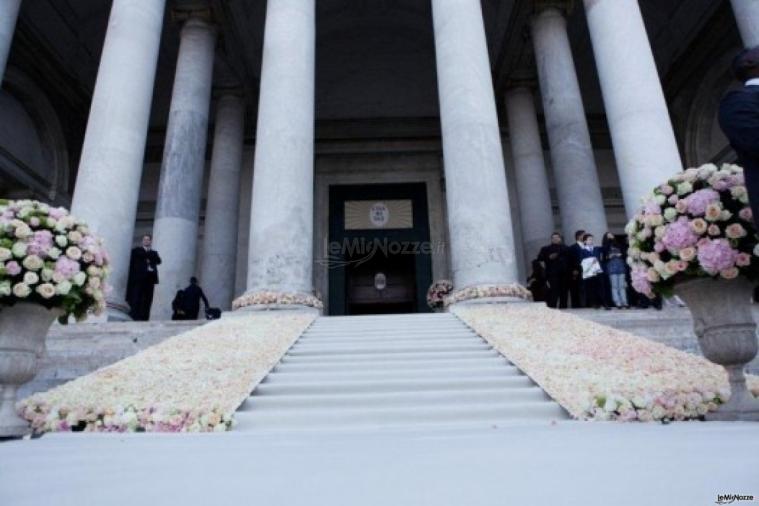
x=380 y=256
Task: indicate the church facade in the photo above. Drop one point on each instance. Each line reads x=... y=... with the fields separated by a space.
x=356 y=149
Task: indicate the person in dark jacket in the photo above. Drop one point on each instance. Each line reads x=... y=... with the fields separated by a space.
x=536 y=283
x=143 y=276
x=190 y=300
x=615 y=266
x=555 y=259
x=739 y=119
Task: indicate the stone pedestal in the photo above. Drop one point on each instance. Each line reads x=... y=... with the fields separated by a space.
x=479 y=217
x=644 y=143
x=574 y=166
x=8 y=15
x=280 y=257
x=535 y=209
x=218 y=257
x=747 y=17
x=114 y=143
x=180 y=188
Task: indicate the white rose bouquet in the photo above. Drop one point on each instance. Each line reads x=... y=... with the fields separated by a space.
x=48 y=257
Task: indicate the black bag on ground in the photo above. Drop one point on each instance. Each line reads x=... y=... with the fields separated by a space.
x=213 y=313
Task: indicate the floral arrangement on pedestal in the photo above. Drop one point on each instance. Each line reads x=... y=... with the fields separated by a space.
x=697 y=224
x=513 y=290
x=695 y=237
x=437 y=292
x=50 y=258
x=274 y=298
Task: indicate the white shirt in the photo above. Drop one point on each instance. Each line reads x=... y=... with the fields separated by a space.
x=753 y=82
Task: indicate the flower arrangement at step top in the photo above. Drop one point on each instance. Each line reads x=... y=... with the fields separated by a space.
x=437 y=292
x=48 y=257
x=697 y=224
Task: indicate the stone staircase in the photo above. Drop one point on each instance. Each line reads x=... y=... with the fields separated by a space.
x=395 y=371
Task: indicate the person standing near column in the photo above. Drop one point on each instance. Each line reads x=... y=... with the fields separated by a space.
x=143 y=276
x=556 y=259
x=739 y=119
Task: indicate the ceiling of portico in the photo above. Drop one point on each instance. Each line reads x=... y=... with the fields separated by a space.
x=375 y=58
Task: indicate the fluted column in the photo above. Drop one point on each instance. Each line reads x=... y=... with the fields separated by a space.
x=641 y=130
x=280 y=257
x=108 y=181
x=747 y=17
x=574 y=167
x=218 y=257
x=535 y=209
x=479 y=218
x=179 y=191
x=8 y=15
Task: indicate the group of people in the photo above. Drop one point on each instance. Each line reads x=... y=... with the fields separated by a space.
x=143 y=276
x=582 y=274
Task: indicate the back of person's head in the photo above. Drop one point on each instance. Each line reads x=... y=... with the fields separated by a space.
x=193 y=280
x=580 y=235
x=746 y=64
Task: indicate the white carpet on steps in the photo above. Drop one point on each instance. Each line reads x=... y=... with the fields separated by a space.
x=393 y=372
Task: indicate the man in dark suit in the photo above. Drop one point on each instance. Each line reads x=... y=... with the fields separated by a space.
x=190 y=300
x=575 y=270
x=554 y=258
x=739 y=119
x=143 y=276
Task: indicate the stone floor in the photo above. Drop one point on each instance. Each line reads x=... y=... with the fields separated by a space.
x=562 y=464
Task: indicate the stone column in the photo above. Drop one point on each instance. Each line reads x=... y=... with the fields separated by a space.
x=179 y=191
x=114 y=143
x=535 y=209
x=8 y=15
x=574 y=165
x=644 y=142
x=280 y=256
x=747 y=17
x=219 y=252
x=479 y=218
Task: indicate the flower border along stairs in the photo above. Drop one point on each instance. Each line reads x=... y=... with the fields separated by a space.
x=393 y=371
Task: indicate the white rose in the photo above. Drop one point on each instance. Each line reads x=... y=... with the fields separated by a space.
x=93 y=271
x=79 y=278
x=75 y=236
x=46 y=290
x=5 y=254
x=88 y=257
x=58 y=277
x=670 y=214
x=54 y=253
x=47 y=274
x=93 y=282
x=18 y=249
x=33 y=263
x=51 y=222
x=5 y=288
x=73 y=253
x=63 y=288
x=684 y=188
x=23 y=231
x=31 y=278
x=61 y=240
x=21 y=290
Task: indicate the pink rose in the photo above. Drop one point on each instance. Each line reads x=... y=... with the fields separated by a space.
x=699 y=226
x=731 y=273
x=746 y=214
x=714 y=230
x=735 y=231
x=688 y=254
x=743 y=260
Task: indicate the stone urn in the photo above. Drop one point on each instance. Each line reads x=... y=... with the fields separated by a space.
x=726 y=332
x=23 y=328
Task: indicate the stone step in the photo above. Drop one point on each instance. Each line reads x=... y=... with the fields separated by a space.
x=387 y=334
x=386 y=417
x=422 y=364
x=391 y=357
x=463 y=346
x=392 y=385
x=394 y=374
x=396 y=399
